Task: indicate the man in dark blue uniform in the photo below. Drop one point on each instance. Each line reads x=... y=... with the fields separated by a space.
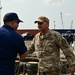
x=11 y=43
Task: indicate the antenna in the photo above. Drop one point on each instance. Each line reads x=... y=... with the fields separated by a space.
x=71 y=24
x=62 y=20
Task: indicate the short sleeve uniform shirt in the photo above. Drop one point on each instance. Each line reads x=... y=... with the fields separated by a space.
x=11 y=43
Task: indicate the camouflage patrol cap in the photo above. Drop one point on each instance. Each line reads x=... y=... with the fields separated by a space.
x=42 y=19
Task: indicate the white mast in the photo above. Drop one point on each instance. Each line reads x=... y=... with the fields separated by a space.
x=62 y=20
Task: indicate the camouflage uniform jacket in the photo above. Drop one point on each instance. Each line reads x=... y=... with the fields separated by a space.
x=48 y=50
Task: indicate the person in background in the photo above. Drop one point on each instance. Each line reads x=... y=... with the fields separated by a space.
x=47 y=44
x=69 y=37
x=11 y=43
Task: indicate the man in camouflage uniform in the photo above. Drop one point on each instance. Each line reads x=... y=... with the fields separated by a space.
x=47 y=44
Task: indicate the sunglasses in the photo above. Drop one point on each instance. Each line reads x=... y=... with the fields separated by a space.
x=17 y=22
x=39 y=23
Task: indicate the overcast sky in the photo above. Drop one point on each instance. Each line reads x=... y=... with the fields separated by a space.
x=30 y=10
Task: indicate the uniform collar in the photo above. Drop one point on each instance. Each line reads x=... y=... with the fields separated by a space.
x=46 y=35
x=7 y=26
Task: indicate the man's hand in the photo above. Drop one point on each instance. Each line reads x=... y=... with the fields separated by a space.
x=72 y=70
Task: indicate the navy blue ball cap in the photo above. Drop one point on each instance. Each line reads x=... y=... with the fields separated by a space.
x=10 y=17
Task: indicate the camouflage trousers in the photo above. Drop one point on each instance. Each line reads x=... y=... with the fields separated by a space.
x=49 y=73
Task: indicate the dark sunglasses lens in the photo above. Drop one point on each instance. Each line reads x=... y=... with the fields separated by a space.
x=17 y=22
x=40 y=23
